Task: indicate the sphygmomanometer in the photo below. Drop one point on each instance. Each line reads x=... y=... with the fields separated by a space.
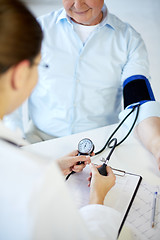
x=136 y=91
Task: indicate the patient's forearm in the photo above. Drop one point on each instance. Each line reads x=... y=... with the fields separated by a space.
x=148 y=132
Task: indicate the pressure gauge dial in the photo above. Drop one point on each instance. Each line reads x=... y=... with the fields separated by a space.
x=85 y=147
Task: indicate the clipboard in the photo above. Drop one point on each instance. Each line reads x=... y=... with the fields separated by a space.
x=120 y=197
x=126 y=187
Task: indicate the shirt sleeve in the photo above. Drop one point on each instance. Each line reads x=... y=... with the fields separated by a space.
x=137 y=64
x=18 y=120
x=102 y=221
x=148 y=109
x=137 y=57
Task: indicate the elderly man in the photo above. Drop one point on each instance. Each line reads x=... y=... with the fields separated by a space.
x=92 y=60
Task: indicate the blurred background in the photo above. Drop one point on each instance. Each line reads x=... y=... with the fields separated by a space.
x=143 y=15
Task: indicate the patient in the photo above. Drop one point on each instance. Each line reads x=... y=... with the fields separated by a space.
x=34 y=201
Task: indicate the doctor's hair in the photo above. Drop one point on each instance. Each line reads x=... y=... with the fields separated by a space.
x=20 y=34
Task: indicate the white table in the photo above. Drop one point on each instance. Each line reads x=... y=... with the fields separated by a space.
x=131 y=156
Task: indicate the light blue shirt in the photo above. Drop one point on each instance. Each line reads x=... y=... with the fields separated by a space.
x=82 y=88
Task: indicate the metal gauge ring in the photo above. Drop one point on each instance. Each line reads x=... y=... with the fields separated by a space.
x=85 y=146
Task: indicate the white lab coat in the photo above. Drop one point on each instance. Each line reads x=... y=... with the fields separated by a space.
x=35 y=202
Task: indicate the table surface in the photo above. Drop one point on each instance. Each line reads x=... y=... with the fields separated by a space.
x=130 y=156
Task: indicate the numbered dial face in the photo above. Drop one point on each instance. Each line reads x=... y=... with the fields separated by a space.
x=85 y=146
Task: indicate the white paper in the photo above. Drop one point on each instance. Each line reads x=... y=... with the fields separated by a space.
x=118 y=197
x=139 y=219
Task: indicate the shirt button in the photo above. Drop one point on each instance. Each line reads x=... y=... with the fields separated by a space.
x=78 y=81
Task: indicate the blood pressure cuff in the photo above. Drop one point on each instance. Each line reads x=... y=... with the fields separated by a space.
x=137 y=90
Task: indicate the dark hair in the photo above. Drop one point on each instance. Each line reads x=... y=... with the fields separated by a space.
x=20 y=34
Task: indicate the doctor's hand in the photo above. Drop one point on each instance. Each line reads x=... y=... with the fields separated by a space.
x=100 y=185
x=69 y=162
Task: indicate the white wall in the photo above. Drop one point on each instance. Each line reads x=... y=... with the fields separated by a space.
x=40 y=7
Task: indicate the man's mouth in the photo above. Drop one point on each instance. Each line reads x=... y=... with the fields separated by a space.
x=81 y=12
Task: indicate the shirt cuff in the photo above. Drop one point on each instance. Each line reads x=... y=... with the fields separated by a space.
x=147 y=109
x=103 y=222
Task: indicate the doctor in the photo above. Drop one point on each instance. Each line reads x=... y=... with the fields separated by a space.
x=34 y=201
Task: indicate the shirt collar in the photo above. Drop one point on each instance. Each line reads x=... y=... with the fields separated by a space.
x=14 y=137
x=107 y=17
x=62 y=16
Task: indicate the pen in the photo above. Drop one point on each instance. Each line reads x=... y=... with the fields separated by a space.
x=154 y=209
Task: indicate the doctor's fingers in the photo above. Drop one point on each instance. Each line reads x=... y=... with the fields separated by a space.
x=78 y=160
x=78 y=168
x=72 y=154
x=109 y=171
x=75 y=153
